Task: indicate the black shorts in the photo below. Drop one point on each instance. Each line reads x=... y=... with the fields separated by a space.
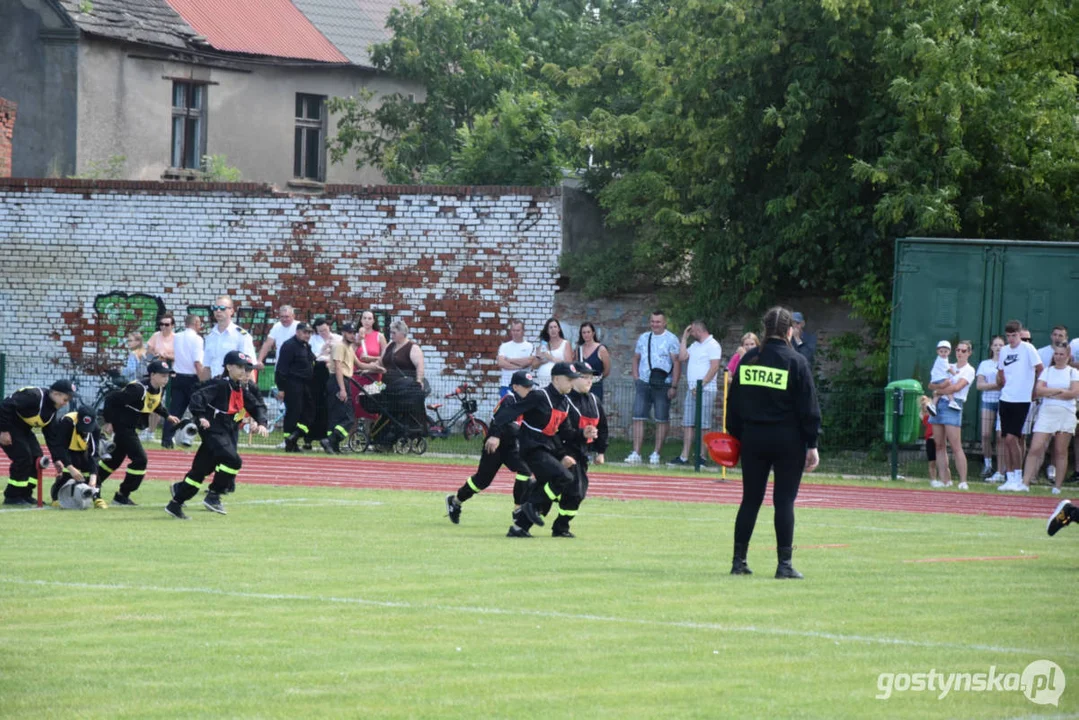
x=931 y=450
x=1012 y=417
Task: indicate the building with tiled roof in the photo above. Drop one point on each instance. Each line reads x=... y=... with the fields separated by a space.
x=146 y=89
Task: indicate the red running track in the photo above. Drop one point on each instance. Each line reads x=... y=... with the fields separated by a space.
x=361 y=472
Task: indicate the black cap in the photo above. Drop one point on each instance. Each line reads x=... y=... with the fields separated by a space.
x=85 y=422
x=303 y=326
x=564 y=369
x=348 y=327
x=235 y=357
x=583 y=368
x=63 y=386
x=522 y=378
x=159 y=367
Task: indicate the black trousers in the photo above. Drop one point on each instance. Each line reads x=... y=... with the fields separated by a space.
x=340 y=417
x=299 y=406
x=23 y=452
x=218 y=455
x=85 y=464
x=183 y=386
x=552 y=479
x=319 y=402
x=569 y=502
x=508 y=455
x=128 y=446
x=766 y=448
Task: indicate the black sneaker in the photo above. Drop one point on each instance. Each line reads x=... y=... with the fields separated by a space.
x=530 y=512
x=1062 y=515
x=677 y=460
x=308 y=446
x=212 y=501
x=119 y=499
x=326 y=445
x=518 y=532
x=176 y=510
x=167 y=446
x=18 y=501
x=562 y=532
x=453 y=509
x=1073 y=478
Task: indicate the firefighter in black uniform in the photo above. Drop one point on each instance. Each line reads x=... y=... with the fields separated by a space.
x=128 y=411
x=28 y=408
x=543 y=414
x=295 y=369
x=74 y=441
x=772 y=410
x=506 y=454
x=587 y=432
x=219 y=406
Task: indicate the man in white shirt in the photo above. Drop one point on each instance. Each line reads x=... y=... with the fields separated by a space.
x=1058 y=338
x=702 y=360
x=284 y=329
x=223 y=338
x=187 y=366
x=656 y=371
x=513 y=355
x=1017 y=370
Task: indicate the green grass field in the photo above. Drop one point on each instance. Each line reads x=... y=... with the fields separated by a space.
x=312 y=602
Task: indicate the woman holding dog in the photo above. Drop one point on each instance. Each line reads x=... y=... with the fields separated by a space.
x=772 y=410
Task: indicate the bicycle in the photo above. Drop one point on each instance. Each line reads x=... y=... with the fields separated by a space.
x=440 y=427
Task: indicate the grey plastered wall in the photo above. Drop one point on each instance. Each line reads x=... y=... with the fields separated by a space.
x=38 y=70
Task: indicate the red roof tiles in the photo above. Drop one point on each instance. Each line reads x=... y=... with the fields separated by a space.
x=258 y=27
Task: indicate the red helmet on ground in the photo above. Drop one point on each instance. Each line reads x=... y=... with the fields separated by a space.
x=723 y=448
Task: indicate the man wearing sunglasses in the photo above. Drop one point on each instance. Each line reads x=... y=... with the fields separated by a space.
x=223 y=338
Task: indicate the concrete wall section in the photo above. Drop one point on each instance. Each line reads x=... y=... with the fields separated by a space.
x=85 y=262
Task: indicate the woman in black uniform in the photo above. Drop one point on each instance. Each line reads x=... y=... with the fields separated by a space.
x=772 y=410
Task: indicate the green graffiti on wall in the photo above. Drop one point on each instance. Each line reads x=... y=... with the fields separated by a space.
x=120 y=313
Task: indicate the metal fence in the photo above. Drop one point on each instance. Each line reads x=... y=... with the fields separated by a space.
x=852 y=441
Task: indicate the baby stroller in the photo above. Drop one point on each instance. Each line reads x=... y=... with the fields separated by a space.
x=400 y=423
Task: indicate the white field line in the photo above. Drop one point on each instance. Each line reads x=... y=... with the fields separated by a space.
x=549 y=614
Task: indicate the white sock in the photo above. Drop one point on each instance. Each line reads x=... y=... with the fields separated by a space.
x=988 y=463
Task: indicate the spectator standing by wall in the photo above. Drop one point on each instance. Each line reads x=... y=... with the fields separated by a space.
x=282 y=330
x=990 y=401
x=656 y=372
x=322 y=343
x=803 y=342
x=554 y=348
x=1017 y=370
x=748 y=342
x=702 y=360
x=224 y=337
x=593 y=353
x=160 y=347
x=513 y=355
x=138 y=360
x=1058 y=337
x=1058 y=387
x=188 y=350
x=951 y=394
x=370 y=344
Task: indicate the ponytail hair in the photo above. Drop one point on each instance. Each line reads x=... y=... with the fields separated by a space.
x=777 y=323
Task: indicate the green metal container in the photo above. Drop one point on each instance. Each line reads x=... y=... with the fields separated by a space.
x=906 y=393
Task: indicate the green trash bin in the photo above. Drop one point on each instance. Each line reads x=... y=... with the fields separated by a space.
x=910 y=419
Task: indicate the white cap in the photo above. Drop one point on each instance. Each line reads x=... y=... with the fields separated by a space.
x=944 y=344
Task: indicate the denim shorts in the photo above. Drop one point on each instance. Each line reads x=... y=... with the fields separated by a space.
x=945 y=415
x=649 y=398
x=990 y=406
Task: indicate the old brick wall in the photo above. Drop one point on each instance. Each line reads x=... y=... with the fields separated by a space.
x=83 y=262
x=7 y=130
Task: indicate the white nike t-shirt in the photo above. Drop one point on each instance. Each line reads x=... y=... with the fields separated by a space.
x=1018 y=364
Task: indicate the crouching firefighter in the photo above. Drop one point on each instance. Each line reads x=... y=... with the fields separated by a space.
x=219 y=406
x=74 y=441
x=28 y=408
x=506 y=454
x=128 y=411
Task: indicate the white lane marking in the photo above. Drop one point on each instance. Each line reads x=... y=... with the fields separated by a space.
x=550 y=614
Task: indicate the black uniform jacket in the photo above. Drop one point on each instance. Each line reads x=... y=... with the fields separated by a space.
x=585 y=410
x=66 y=443
x=509 y=431
x=773 y=385
x=226 y=402
x=543 y=414
x=27 y=408
x=131 y=407
x=296 y=361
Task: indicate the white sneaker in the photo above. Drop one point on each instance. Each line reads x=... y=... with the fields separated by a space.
x=997 y=478
x=653 y=459
x=963 y=486
x=937 y=484
x=954 y=405
x=1008 y=486
x=1051 y=472
x=1021 y=487
x=633 y=459
x=1056 y=491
